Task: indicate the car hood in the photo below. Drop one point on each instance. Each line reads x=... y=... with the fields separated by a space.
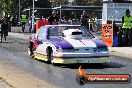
x=76 y=43
x=60 y=43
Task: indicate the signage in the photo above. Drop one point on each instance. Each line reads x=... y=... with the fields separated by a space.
x=107 y=34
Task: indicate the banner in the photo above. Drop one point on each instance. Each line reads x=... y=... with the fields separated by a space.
x=107 y=34
x=83 y=77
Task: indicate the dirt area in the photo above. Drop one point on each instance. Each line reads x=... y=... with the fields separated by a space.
x=4 y=84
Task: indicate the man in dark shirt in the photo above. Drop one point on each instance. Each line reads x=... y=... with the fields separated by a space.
x=4 y=27
x=53 y=19
x=84 y=19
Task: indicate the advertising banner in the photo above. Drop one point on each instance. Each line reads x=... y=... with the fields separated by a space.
x=107 y=34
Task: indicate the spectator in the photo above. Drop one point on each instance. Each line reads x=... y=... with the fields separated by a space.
x=16 y=20
x=13 y=21
x=84 y=19
x=53 y=19
x=23 y=21
x=64 y=20
x=4 y=28
x=10 y=21
x=127 y=27
x=42 y=17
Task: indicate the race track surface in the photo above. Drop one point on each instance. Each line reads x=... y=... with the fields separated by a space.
x=14 y=53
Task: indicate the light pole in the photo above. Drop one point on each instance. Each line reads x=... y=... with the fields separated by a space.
x=33 y=17
x=60 y=13
x=19 y=9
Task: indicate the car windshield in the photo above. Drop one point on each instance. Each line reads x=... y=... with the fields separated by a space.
x=57 y=31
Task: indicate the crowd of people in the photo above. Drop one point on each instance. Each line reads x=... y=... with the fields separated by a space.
x=53 y=19
x=13 y=21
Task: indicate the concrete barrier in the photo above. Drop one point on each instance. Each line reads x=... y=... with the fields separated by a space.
x=19 y=29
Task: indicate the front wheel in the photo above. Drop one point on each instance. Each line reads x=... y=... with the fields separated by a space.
x=31 y=49
x=49 y=54
x=51 y=60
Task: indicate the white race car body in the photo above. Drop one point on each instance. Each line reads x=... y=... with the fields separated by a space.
x=69 y=46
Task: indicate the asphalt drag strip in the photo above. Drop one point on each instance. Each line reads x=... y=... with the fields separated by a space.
x=21 y=71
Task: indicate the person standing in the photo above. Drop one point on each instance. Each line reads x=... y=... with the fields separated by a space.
x=4 y=27
x=53 y=19
x=13 y=21
x=23 y=21
x=9 y=24
x=16 y=20
x=127 y=28
x=84 y=19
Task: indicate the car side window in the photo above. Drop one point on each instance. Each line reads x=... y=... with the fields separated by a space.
x=54 y=32
x=41 y=34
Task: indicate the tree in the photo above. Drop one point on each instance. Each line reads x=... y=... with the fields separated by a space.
x=56 y=3
x=88 y=2
x=12 y=6
x=42 y=4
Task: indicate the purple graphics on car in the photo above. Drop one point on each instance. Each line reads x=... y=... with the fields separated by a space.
x=99 y=43
x=60 y=43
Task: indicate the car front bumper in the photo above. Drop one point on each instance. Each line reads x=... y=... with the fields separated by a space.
x=70 y=58
x=81 y=60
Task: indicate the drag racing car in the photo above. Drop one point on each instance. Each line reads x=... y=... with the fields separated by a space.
x=67 y=44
